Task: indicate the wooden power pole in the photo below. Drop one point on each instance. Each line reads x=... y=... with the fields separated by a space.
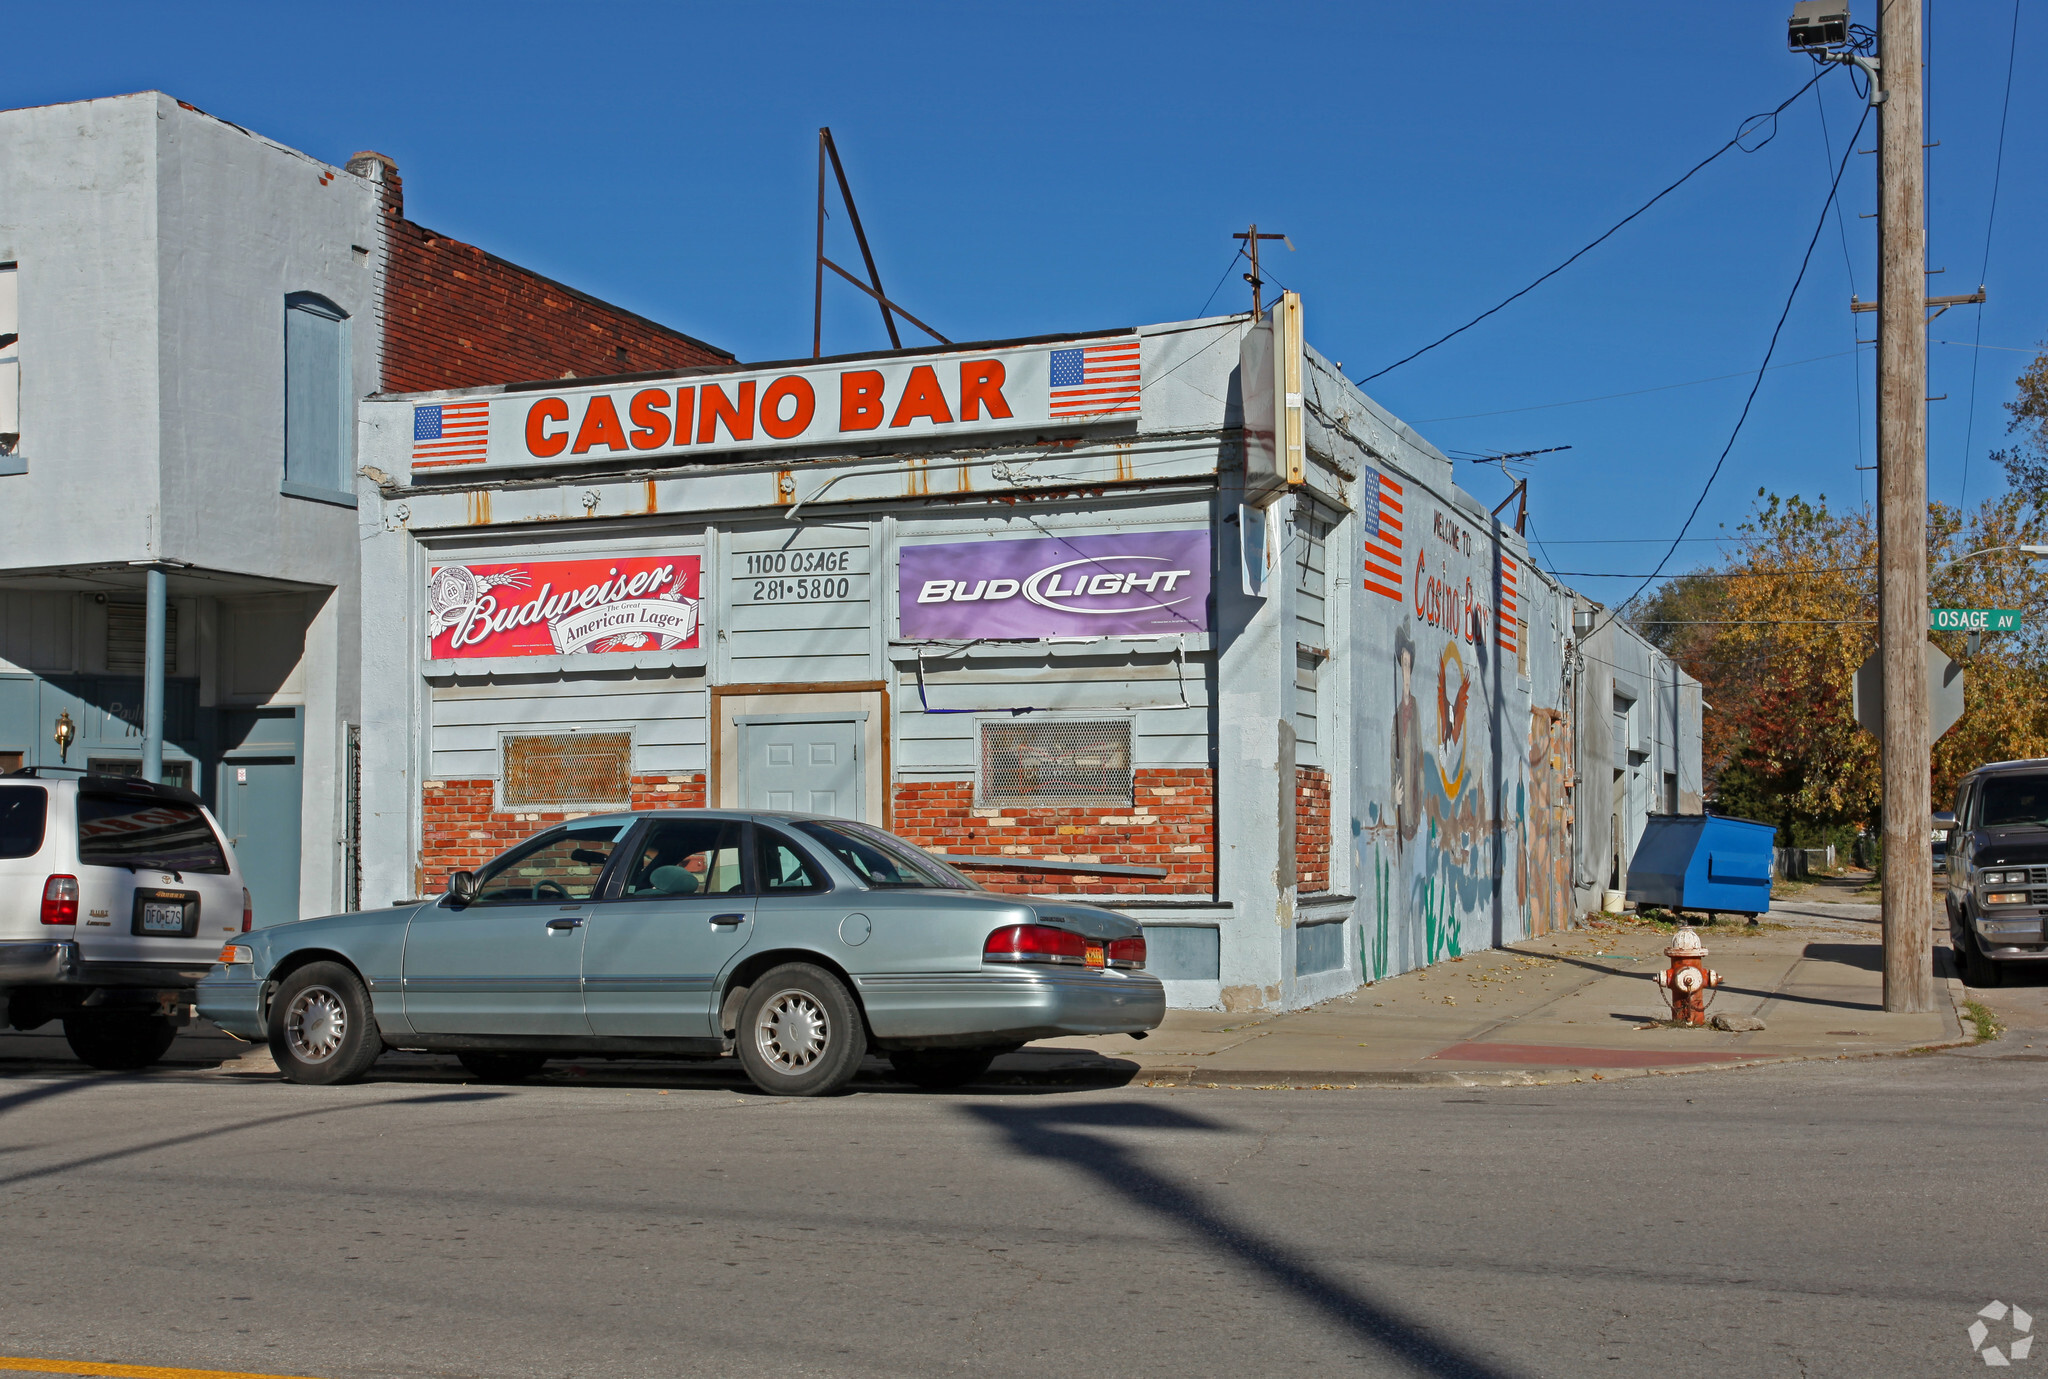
x=1902 y=512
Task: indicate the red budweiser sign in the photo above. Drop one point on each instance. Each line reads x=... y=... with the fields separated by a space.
x=563 y=607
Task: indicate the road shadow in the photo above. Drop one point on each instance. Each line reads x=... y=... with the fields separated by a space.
x=1080 y=1137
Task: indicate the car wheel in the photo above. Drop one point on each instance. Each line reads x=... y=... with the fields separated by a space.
x=321 y=1029
x=939 y=1070
x=118 y=1040
x=1978 y=970
x=501 y=1067
x=800 y=1032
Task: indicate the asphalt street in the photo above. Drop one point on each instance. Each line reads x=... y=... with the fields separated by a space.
x=1840 y=1218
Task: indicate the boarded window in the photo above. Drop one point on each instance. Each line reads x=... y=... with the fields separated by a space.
x=1056 y=762
x=1522 y=646
x=316 y=396
x=127 y=629
x=577 y=770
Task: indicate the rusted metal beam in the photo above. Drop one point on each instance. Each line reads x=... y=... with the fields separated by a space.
x=867 y=255
x=887 y=305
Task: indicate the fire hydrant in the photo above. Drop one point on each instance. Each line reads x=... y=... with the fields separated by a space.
x=1688 y=979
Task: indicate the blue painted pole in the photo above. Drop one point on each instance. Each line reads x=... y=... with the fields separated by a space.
x=153 y=675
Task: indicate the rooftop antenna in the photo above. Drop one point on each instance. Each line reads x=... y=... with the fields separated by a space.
x=1521 y=488
x=829 y=152
x=1251 y=238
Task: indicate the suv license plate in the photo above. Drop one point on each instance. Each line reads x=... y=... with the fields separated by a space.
x=163 y=917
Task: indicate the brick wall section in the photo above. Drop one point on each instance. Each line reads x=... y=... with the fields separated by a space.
x=462 y=827
x=1171 y=824
x=458 y=317
x=1311 y=829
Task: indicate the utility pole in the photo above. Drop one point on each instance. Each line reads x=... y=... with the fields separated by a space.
x=1908 y=892
x=1251 y=238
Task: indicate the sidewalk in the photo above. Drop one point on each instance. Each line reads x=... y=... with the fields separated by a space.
x=1580 y=1005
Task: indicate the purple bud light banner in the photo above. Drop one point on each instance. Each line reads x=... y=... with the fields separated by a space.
x=1134 y=584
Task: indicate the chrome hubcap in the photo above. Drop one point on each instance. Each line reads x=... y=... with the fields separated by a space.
x=792 y=1032
x=315 y=1024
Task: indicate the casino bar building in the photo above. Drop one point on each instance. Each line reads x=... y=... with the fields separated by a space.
x=1173 y=617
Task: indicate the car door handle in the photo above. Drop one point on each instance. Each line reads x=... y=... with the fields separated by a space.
x=565 y=924
x=723 y=921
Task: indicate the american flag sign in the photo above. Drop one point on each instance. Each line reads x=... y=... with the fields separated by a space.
x=1505 y=616
x=1380 y=520
x=445 y=433
x=1095 y=380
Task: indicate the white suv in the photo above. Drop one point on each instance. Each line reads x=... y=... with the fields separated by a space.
x=115 y=896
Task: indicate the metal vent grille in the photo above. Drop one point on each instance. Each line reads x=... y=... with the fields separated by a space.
x=576 y=769
x=127 y=629
x=1056 y=762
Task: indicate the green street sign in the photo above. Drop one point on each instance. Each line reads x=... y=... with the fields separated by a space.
x=1975 y=619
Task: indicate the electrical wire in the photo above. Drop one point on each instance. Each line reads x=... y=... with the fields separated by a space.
x=1636 y=392
x=1219 y=283
x=1750 y=401
x=1997 y=170
x=1749 y=124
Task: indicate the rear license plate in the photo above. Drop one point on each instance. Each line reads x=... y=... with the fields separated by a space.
x=1095 y=958
x=166 y=914
x=163 y=917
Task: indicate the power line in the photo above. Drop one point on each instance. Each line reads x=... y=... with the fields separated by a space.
x=1997 y=170
x=1722 y=574
x=1748 y=402
x=1219 y=283
x=1747 y=125
x=1637 y=392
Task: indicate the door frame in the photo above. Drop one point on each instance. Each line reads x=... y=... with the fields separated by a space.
x=824 y=700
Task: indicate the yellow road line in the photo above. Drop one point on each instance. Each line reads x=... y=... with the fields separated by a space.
x=22 y=1364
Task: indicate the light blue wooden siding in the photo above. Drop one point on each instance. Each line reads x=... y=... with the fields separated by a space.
x=318 y=410
x=945 y=746
x=36 y=630
x=1307 y=560
x=665 y=714
x=801 y=603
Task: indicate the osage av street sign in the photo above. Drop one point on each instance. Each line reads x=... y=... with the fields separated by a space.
x=1973 y=619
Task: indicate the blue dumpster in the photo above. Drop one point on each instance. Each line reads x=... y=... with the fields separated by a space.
x=1703 y=862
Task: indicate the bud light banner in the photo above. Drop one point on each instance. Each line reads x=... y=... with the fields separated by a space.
x=563 y=607
x=1135 y=584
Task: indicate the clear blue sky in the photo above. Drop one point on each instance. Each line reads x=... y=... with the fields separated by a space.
x=1027 y=169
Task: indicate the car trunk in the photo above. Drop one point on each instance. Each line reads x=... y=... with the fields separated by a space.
x=155 y=883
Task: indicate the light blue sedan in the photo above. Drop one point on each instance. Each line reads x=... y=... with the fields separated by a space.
x=797 y=943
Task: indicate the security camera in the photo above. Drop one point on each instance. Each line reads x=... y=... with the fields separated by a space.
x=1818 y=24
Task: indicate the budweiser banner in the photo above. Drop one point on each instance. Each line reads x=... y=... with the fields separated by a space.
x=1140 y=584
x=563 y=607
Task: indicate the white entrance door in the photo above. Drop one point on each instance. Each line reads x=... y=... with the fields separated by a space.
x=803 y=764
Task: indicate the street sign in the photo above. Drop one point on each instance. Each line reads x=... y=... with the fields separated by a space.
x=1944 y=693
x=1973 y=620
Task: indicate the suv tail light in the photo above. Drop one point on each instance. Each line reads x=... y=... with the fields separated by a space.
x=60 y=900
x=248 y=914
x=1127 y=952
x=1034 y=943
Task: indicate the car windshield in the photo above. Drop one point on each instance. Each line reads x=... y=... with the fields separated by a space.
x=884 y=861
x=2015 y=802
x=561 y=864
x=137 y=831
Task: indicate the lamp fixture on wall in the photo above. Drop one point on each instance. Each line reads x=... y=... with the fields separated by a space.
x=63 y=736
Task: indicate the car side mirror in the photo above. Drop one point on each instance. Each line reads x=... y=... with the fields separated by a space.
x=1944 y=820
x=462 y=887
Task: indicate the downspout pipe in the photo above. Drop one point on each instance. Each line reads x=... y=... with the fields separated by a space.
x=155 y=590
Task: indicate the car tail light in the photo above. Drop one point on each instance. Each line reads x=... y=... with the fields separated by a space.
x=248 y=915
x=1034 y=943
x=60 y=900
x=1127 y=952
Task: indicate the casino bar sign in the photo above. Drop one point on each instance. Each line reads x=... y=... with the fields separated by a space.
x=1020 y=387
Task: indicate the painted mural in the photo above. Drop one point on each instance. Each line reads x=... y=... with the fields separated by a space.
x=1460 y=843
